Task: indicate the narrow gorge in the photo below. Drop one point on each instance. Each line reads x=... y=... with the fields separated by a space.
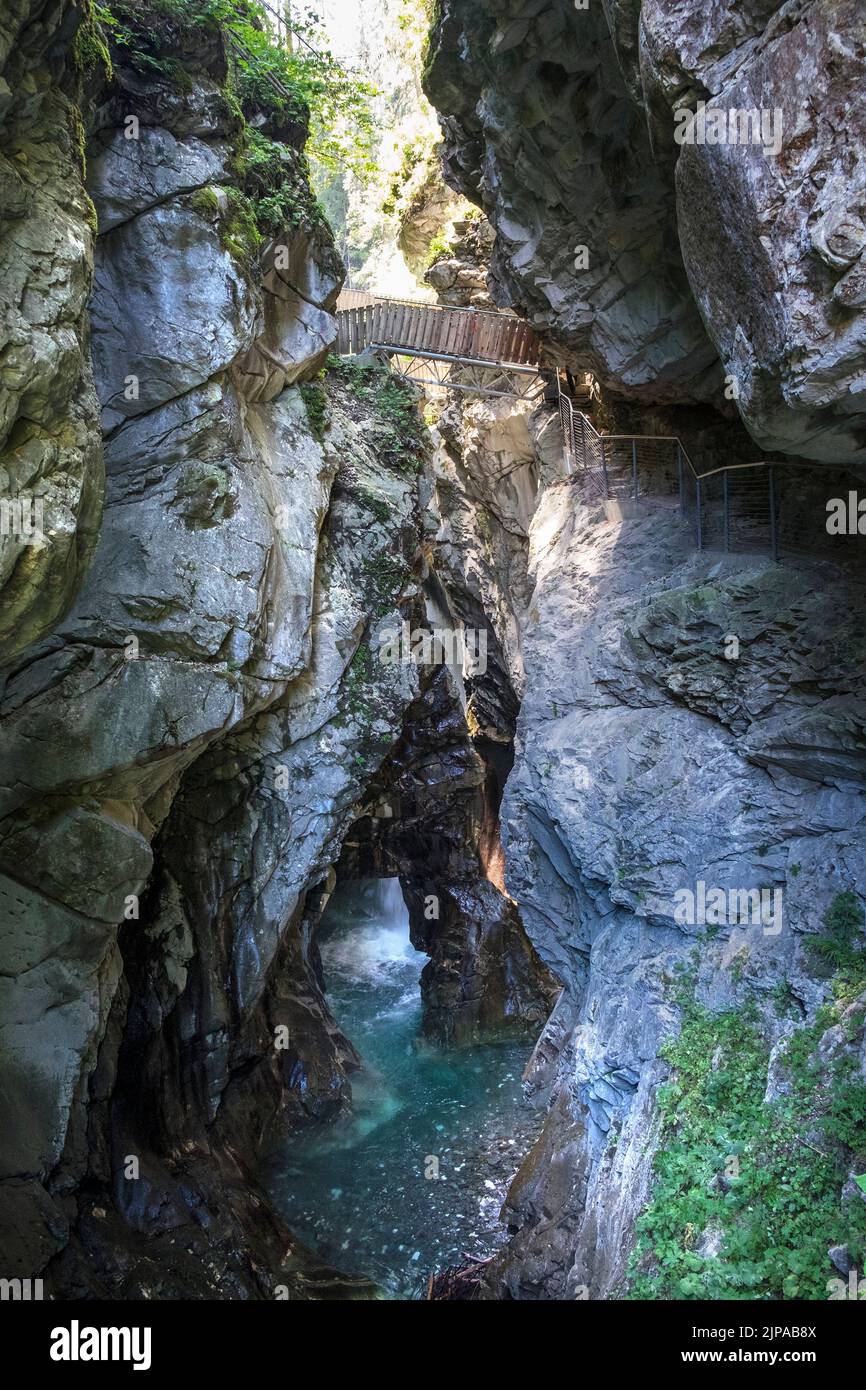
x=432 y=652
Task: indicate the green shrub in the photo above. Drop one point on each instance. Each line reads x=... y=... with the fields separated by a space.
x=840 y=945
x=304 y=84
x=316 y=403
x=89 y=47
x=778 y=1216
x=439 y=247
x=401 y=435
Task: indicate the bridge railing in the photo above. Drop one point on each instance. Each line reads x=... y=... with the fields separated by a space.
x=732 y=507
x=460 y=334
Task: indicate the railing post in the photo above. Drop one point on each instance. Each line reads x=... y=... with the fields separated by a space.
x=566 y=426
x=680 y=473
x=774 y=539
x=604 y=469
x=634 y=467
x=700 y=520
x=727 y=511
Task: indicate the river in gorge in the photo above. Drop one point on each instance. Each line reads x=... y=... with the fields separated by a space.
x=360 y=1193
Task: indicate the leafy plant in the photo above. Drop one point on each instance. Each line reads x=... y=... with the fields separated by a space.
x=316 y=403
x=413 y=154
x=356 y=685
x=437 y=249
x=766 y=1177
x=839 y=945
x=400 y=435
x=302 y=83
x=89 y=47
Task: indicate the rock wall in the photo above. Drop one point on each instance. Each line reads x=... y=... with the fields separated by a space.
x=646 y=760
x=459 y=276
x=662 y=267
x=433 y=820
x=218 y=967
x=448 y=773
x=191 y=726
x=203 y=684
x=541 y=130
x=50 y=450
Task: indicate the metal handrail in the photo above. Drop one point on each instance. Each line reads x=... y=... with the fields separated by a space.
x=404 y=350
x=635 y=439
x=597 y=474
x=598 y=457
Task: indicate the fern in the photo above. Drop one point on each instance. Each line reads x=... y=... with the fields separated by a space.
x=839 y=946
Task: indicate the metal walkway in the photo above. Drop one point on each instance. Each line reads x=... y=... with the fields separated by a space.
x=732 y=507
x=750 y=506
x=471 y=350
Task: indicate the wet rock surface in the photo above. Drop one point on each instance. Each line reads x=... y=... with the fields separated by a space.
x=238 y=570
x=432 y=819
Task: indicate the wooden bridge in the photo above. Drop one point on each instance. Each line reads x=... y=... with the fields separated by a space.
x=485 y=353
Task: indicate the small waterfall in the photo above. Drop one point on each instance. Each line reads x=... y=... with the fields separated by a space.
x=365 y=948
x=416 y=1174
x=381 y=898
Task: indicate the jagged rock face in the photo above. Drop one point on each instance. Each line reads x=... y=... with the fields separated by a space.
x=429 y=208
x=541 y=130
x=433 y=821
x=773 y=243
x=261 y=817
x=222 y=612
x=645 y=762
x=184 y=753
x=219 y=961
x=50 y=450
x=460 y=276
x=562 y=122
x=485 y=474
x=162 y=200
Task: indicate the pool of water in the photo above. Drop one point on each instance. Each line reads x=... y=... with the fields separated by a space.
x=415 y=1176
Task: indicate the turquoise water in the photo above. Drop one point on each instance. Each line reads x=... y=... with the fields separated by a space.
x=362 y=1193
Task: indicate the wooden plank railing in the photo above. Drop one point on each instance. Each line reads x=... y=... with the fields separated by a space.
x=470 y=335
